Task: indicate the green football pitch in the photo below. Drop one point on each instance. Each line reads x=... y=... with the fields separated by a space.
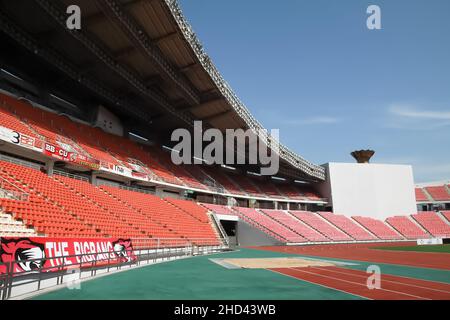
x=442 y=248
x=200 y=278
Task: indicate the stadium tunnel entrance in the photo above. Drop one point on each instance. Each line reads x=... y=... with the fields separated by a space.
x=230 y=227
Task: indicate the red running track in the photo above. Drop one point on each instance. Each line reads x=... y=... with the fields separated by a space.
x=355 y=282
x=365 y=252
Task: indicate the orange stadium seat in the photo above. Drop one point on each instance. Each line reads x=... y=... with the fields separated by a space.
x=219 y=209
x=39 y=211
x=107 y=148
x=270 y=189
x=177 y=221
x=246 y=184
x=225 y=181
x=290 y=191
x=60 y=207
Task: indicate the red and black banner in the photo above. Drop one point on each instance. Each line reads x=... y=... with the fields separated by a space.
x=51 y=254
x=58 y=153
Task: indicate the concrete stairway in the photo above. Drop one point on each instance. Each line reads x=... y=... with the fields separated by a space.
x=12 y=228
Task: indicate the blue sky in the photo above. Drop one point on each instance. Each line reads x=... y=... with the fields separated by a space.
x=312 y=69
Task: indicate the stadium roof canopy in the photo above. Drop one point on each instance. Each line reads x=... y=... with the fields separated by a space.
x=138 y=57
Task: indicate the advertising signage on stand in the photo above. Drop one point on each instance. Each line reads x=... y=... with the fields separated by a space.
x=87 y=162
x=140 y=176
x=64 y=155
x=113 y=168
x=52 y=254
x=59 y=153
x=20 y=139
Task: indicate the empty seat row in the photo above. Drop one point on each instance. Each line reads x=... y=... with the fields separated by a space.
x=269 y=225
x=318 y=223
x=108 y=149
x=219 y=209
x=63 y=207
x=379 y=228
x=406 y=226
x=347 y=225
x=433 y=223
x=295 y=225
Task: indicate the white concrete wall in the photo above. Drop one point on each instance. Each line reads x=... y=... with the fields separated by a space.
x=374 y=190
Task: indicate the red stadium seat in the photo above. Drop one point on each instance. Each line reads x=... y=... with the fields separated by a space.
x=63 y=206
x=378 y=228
x=110 y=149
x=347 y=225
x=420 y=195
x=407 y=227
x=438 y=193
x=433 y=223
x=302 y=229
x=321 y=225
x=219 y=209
x=269 y=225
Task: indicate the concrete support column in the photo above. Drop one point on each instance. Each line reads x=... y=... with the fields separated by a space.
x=49 y=165
x=275 y=205
x=231 y=201
x=288 y=205
x=159 y=192
x=94 y=178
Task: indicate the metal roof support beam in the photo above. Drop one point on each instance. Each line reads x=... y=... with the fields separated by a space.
x=93 y=18
x=169 y=36
x=218 y=115
x=202 y=105
x=123 y=53
x=240 y=109
x=67 y=68
x=134 y=3
x=144 y=44
x=55 y=10
x=188 y=67
x=153 y=80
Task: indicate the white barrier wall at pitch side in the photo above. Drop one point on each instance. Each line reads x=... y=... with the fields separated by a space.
x=373 y=190
x=432 y=241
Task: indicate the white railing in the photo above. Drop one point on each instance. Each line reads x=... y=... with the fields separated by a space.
x=70 y=175
x=10 y=190
x=121 y=186
x=20 y=162
x=219 y=227
x=20 y=284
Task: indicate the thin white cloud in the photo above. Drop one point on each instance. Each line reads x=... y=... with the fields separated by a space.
x=409 y=117
x=416 y=113
x=313 y=120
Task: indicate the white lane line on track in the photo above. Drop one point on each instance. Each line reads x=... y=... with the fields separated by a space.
x=392 y=281
x=360 y=284
x=321 y=285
